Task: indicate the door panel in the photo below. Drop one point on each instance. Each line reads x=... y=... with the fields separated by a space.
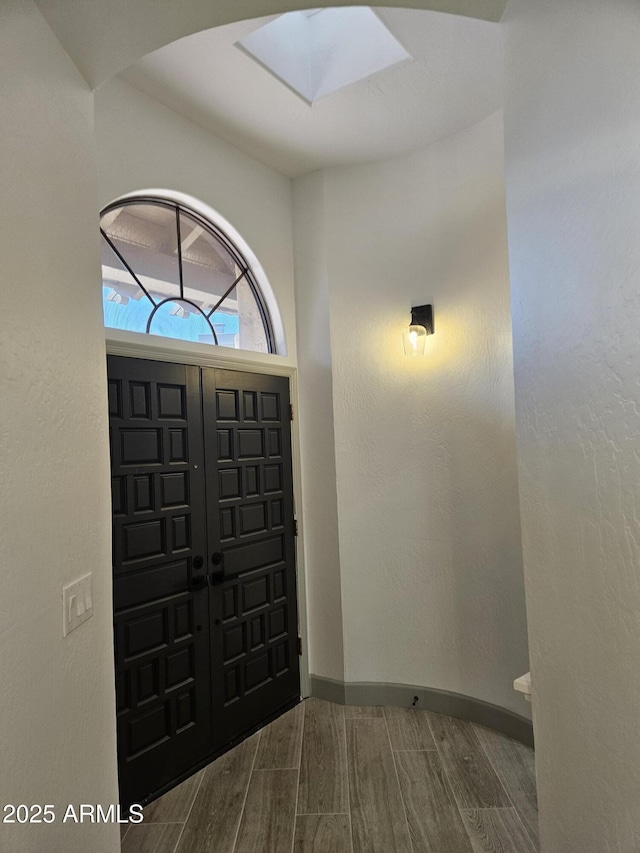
x=203 y=564
x=160 y=596
x=252 y=545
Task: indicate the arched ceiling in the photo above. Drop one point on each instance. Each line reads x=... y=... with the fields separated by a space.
x=451 y=80
x=105 y=36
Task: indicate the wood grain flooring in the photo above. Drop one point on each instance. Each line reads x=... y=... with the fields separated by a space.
x=515 y=766
x=269 y=814
x=356 y=711
x=328 y=779
x=435 y=824
x=473 y=779
x=281 y=742
x=497 y=831
x=213 y=824
x=175 y=806
x=322 y=833
x=323 y=769
x=153 y=838
x=378 y=821
x=409 y=729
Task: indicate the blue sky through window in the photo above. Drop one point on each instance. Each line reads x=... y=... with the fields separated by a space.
x=133 y=316
x=154 y=253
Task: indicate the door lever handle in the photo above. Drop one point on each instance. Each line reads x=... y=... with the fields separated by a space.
x=198 y=581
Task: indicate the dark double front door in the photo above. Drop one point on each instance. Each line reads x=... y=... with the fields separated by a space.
x=203 y=563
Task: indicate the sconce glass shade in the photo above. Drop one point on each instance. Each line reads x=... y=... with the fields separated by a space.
x=414 y=339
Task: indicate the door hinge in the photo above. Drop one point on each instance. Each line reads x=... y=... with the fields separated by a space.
x=295 y=526
x=291 y=412
x=300 y=646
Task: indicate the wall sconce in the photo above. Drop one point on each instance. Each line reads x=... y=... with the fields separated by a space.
x=415 y=337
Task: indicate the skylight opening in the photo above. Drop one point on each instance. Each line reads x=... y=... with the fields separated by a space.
x=317 y=52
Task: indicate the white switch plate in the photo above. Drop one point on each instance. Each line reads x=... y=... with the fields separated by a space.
x=77 y=603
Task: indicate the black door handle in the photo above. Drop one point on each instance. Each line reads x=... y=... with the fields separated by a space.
x=198 y=562
x=217 y=577
x=198 y=581
x=216 y=558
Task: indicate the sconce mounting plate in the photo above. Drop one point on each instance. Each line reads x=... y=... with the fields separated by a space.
x=422 y=315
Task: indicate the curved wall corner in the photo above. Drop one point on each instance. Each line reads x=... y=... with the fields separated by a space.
x=428 y=578
x=317 y=442
x=429 y=523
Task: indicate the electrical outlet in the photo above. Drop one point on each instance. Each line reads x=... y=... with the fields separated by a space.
x=77 y=603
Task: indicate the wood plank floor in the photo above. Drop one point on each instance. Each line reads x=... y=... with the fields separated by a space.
x=328 y=779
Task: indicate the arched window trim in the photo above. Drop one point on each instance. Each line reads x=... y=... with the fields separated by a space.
x=177 y=202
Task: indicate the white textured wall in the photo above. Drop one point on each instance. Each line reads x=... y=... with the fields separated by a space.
x=142 y=144
x=57 y=706
x=425 y=448
x=573 y=190
x=317 y=446
x=429 y=531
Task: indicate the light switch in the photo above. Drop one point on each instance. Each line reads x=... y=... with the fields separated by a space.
x=77 y=603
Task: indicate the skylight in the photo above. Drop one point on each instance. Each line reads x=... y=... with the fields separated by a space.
x=320 y=51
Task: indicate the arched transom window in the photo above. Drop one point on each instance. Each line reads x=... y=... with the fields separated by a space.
x=168 y=271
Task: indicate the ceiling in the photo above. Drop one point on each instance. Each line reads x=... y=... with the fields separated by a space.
x=104 y=36
x=453 y=81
